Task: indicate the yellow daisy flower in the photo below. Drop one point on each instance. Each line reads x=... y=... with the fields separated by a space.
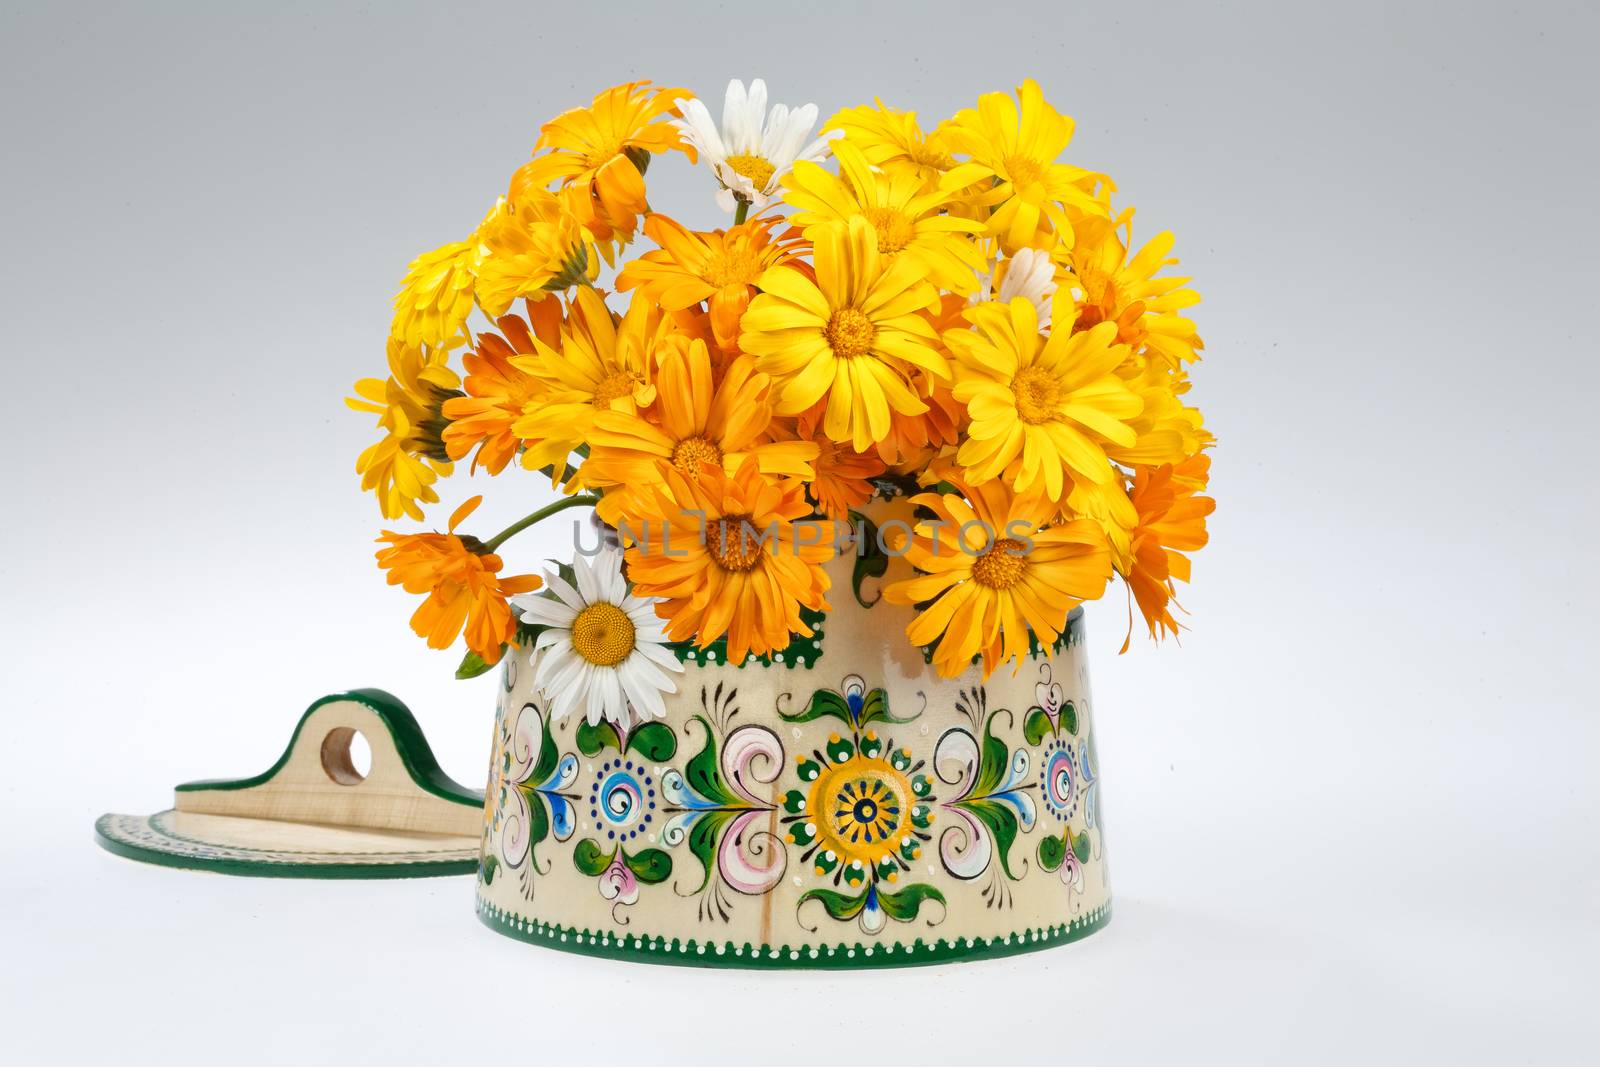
x=402 y=467
x=849 y=335
x=1113 y=288
x=602 y=365
x=720 y=268
x=529 y=247
x=992 y=571
x=907 y=214
x=728 y=555
x=887 y=136
x=1034 y=196
x=1043 y=408
x=436 y=297
x=696 y=420
x=601 y=153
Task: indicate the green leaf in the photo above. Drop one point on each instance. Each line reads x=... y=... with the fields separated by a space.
x=651 y=866
x=1069 y=717
x=653 y=741
x=704 y=835
x=825 y=703
x=993 y=762
x=875 y=708
x=528 y=633
x=473 y=665
x=1036 y=726
x=1052 y=853
x=1001 y=819
x=487 y=867
x=702 y=773
x=871 y=562
x=545 y=765
x=593 y=738
x=589 y=860
x=837 y=905
x=1080 y=846
x=904 y=905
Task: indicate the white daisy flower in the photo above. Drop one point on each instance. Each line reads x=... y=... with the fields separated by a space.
x=750 y=159
x=604 y=649
x=1030 y=274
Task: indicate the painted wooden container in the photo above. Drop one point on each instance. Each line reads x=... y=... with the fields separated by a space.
x=839 y=805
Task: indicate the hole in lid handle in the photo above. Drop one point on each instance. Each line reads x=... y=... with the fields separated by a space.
x=346 y=755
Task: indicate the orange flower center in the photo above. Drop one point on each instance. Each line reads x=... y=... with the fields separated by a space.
x=1002 y=566
x=1023 y=171
x=691 y=452
x=1038 y=395
x=894 y=229
x=756 y=168
x=849 y=333
x=602 y=634
x=731 y=267
x=614 y=386
x=734 y=543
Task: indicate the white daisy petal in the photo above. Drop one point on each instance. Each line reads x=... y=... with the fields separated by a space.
x=569 y=596
x=661 y=657
x=544 y=609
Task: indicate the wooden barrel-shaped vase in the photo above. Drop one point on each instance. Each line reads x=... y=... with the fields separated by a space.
x=837 y=804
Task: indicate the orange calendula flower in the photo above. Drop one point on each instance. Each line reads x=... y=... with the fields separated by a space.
x=696 y=420
x=600 y=154
x=401 y=468
x=994 y=571
x=843 y=476
x=721 y=268
x=465 y=592
x=729 y=556
x=850 y=335
x=1172 y=521
x=499 y=390
x=1113 y=288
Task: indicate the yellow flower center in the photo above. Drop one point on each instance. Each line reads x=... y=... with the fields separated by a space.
x=734 y=543
x=602 y=634
x=862 y=807
x=613 y=387
x=894 y=229
x=731 y=268
x=756 y=168
x=1038 y=395
x=1002 y=566
x=691 y=452
x=1022 y=170
x=849 y=333
x=925 y=155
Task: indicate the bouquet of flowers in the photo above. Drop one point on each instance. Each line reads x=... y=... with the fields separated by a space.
x=952 y=321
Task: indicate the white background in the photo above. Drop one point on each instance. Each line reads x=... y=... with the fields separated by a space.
x=1353 y=816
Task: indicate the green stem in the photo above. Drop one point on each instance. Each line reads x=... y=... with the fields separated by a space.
x=741 y=211
x=581 y=500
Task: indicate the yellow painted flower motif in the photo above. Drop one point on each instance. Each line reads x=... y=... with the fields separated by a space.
x=730 y=554
x=1043 y=408
x=530 y=247
x=1172 y=521
x=850 y=335
x=1035 y=197
x=906 y=212
x=499 y=390
x=465 y=592
x=720 y=268
x=1113 y=288
x=602 y=365
x=887 y=136
x=601 y=152
x=436 y=297
x=696 y=420
x=401 y=468
x=992 y=571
